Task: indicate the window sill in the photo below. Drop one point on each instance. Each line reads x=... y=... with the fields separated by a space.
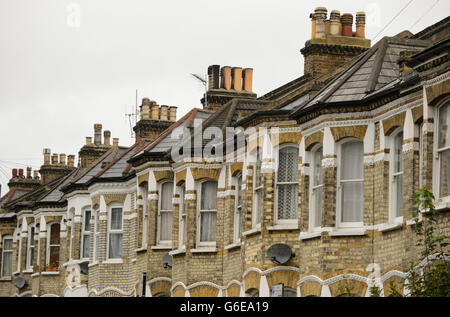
x=93 y=264
x=309 y=235
x=5 y=279
x=36 y=274
x=161 y=247
x=113 y=261
x=15 y=273
x=133 y=260
x=341 y=232
x=233 y=246
x=28 y=271
x=385 y=227
x=442 y=206
x=177 y=252
x=141 y=249
x=50 y=273
x=204 y=250
x=283 y=226
x=251 y=232
x=72 y=262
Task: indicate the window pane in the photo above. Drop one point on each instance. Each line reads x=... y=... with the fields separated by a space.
x=54 y=255
x=444 y=174
x=115 y=245
x=258 y=175
x=86 y=239
x=32 y=236
x=97 y=251
x=398 y=158
x=116 y=218
x=258 y=206
x=31 y=254
x=287 y=201
x=54 y=233
x=208 y=226
x=183 y=233
x=97 y=223
x=7 y=264
x=7 y=244
x=209 y=195
x=352 y=202
x=352 y=160
x=166 y=196
x=399 y=195
x=317 y=220
x=166 y=226
x=87 y=220
x=288 y=165
x=318 y=156
x=444 y=122
x=239 y=191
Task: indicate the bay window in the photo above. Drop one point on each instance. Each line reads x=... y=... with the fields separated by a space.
x=287 y=184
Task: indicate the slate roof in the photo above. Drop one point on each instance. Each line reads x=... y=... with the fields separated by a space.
x=371 y=71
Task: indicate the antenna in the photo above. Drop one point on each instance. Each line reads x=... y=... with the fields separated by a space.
x=204 y=81
x=133 y=117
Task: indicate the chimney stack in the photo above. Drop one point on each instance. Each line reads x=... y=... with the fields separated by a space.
x=173 y=113
x=29 y=172
x=164 y=114
x=226 y=78
x=46 y=153
x=115 y=142
x=320 y=14
x=97 y=134
x=237 y=78
x=107 y=137
x=347 y=23
x=361 y=24
x=54 y=159
x=71 y=160
x=213 y=76
x=14 y=173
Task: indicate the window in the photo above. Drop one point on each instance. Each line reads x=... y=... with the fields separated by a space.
x=316 y=188
x=115 y=233
x=30 y=247
x=421 y=155
x=238 y=209
x=53 y=244
x=207 y=212
x=350 y=183
x=165 y=213
x=19 y=247
x=96 y=234
x=7 y=255
x=70 y=223
x=257 y=190
x=86 y=234
x=287 y=183
x=182 y=224
x=144 y=191
x=443 y=150
x=396 y=172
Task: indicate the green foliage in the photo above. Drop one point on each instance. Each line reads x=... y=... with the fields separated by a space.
x=375 y=291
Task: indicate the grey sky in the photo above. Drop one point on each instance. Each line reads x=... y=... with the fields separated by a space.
x=57 y=79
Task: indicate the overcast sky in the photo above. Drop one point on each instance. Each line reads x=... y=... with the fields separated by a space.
x=65 y=65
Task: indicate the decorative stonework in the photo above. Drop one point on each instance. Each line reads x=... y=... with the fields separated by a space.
x=236 y=168
x=160 y=175
x=437 y=91
x=350 y=131
x=200 y=173
x=291 y=137
x=393 y=122
x=110 y=198
x=180 y=177
x=142 y=178
x=313 y=139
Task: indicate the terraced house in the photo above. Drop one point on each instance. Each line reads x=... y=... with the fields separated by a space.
x=309 y=185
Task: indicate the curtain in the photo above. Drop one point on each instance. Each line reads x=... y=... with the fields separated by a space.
x=166 y=196
x=87 y=220
x=86 y=239
x=7 y=257
x=317 y=191
x=444 y=156
x=352 y=161
x=208 y=207
x=287 y=193
x=166 y=225
x=166 y=211
x=116 y=218
x=209 y=195
x=208 y=226
x=115 y=245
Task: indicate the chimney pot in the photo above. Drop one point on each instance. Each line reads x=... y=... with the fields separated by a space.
x=107 y=137
x=164 y=115
x=320 y=15
x=54 y=159
x=248 y=79
x=237 y=78
x=226 y=78
x=46 y=153
x=347 y=22
x=361 y=24
x=29 y=172
x=155 y=111
x=35 y=175
x=335 y=22
x=145 y=109
x=97 y=134
x=213 y=76
x=14 y=173
x=71 y=160
x=173 y=113
x=313 y=25
x=88 y=140
x=62 y=159
x=116 y=142
x=21 y=173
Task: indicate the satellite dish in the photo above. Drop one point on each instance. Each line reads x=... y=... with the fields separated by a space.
x=167 y=261
x=280 y=253
x=20 y=282
x=84 y=267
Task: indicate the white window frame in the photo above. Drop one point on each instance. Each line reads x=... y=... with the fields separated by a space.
x=392 y=175
x=277 y=184
x=19 y=248
x=237 y=226
x=339 y=223
x=30 y=245
x=257 y=203
x=182 y=235
x=96 y=234
x=114 y=231
x=144 y=195
x=421 y=125
x=84 y=232
x=199 y=211
x=437 y=151
x=312 y=188
x=71 y=222
x=7 y=237
x=158 y=236
x=49 y=232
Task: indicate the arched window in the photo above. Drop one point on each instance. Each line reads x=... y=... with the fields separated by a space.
x=443 y=150
x=115 y=232
x=287 y=184
x=257 y=190
x=53 y=244
x=165 y=213
x=30 y=247
x=182 y=218
x=396 y=172
x=350 y=183
x=237 y=230
x=207 y=215
x=7 y=255
x=316 y=187
x=86 y=234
